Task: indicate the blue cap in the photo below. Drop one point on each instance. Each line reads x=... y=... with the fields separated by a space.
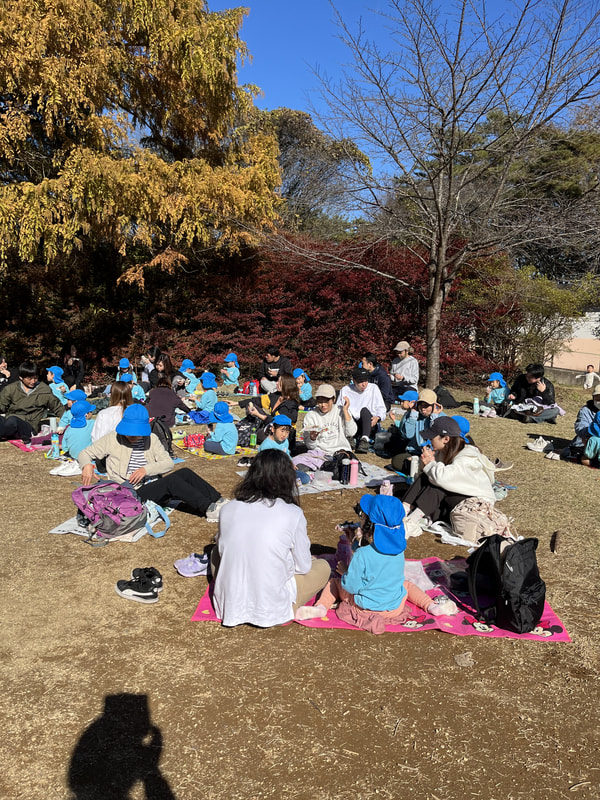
x=127 y=378
x=124 y=363
x=135 y=421
x=208 y=380
x=57 y=372
x=75 y=395
x=282 y=419
x=594 y=428
x=464 y=425
x=497 y=376
x=297 y=372
x=220 y=413
x=79 y=410
x=410 y=395
x=187 y=363
x=231 y=357
x=387 y=514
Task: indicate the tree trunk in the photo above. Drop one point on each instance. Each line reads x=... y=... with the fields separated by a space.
x=434 y=316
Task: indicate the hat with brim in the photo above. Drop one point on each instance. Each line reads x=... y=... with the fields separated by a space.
x=463 y=424
x=411 y=396
x=594 y=428
x=282 y=419
x=135 y=421
x=221 y=413
x=427 y=396
x=402 y=346
x=497 y=376
x=360 y=375
x=79 y=410
x=387 y=514
x=325 y=390
x=596 y=390
x=231 y=357
x=124 y=363
x=187 y=363
x=75 y=395
x=442 y=426
x=298 y=372
x=208 y=380
x=127 y=378
x=57 y=372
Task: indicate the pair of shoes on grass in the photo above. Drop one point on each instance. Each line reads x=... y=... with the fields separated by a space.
x=144 y=586
x=66 y=469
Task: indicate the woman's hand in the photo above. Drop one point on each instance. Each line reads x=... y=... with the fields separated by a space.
x=488 y=390
x=138 y=476
x=427 y=456
x=511 y=397
x=87 y=475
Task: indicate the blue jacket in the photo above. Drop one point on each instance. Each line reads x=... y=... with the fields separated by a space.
x=411 y=425
x=225 y=433
x=375 y=580
x=271 y=444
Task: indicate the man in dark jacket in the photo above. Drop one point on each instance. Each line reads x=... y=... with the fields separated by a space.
x=532 y=384
x=25 y=403
x=380 y=378
x=272 y=367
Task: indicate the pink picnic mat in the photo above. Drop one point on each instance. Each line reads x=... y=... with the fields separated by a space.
x=462 y=624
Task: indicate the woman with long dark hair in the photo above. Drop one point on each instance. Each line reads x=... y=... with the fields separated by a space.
x=286 y=400
x=264 y=569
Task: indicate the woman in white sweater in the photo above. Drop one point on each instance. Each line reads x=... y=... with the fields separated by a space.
x=452 y=471
x=108 y=419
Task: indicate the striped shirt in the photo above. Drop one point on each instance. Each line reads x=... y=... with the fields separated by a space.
x=138 y=456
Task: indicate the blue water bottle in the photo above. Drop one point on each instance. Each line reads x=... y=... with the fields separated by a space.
x=55 y=452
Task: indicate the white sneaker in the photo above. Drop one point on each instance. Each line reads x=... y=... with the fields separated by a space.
x=214 y=509
x=414 y=526
x=539 y=445
x=442 y=607
x=68 y=470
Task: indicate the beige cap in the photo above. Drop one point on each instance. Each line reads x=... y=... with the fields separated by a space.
x=427 y=396
x=402 y=346
x=596 y=390
x=325 y=390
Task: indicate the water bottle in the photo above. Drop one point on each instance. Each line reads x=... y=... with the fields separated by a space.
x=345 y=476
x=344 y=550
x=476 y=405
x=414 y=466
x=55 y=452
x=253 y=437
x=353 y=472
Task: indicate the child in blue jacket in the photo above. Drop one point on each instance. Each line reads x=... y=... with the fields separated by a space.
x=224 y=438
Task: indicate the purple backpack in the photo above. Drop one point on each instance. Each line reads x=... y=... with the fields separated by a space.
x=110 y=509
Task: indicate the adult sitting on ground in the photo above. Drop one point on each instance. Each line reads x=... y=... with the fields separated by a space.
x=531 y=388
x=380 y=378
x=285 y=400
x=367 y=406
x=25 y=403
x=108 y=419
x=273 y=365
x=404 y=369
x=420 y=412
x=264 y=569
x=585 y=417
x=133 y=454
x=7 y=375
x=326 y=428
x=163 y=401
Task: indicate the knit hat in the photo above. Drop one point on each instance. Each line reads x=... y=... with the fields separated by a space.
x=75 y=395
x=464 y=425
x=297 y=372
x=360 y=375
x=497 y=376
x=187 y=363
x=326 y=390
x=282 y=419
x=442 y=426
x=402 y=346
x=410 y=395
x=57 y=372
x=221 y=413
x=79 y=410
x=387 y=514
x=208 y=380
x=427 y=396
x=124 y=363
x=135 y=421
x=231 y=357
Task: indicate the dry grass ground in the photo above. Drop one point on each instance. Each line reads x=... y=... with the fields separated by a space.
x=290 y=712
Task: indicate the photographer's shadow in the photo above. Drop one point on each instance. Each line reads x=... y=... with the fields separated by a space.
x=119 y=749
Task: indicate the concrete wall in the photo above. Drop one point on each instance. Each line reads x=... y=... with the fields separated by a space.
x=582 y=349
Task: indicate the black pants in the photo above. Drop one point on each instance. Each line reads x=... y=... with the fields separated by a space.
x=184 y=485
x=364 y=424
x=15 y=428
x=434 y=502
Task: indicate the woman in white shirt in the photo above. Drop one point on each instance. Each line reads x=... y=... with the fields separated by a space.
x=108 y=419
x=264 y=569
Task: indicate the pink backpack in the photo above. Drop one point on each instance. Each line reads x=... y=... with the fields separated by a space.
x=110 y=509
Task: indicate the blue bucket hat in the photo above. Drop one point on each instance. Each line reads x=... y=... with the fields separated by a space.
x=282 y=419
x=464 y=425
x=124 y=363
x=231 y=357
x=57 y=372
x=135 y=421
x=75 y=395
x=208 y=380
x=497 y=376
x=187 y=363
x=79 y=410
x=410 y=395
x=387 y=514
x=127 y=378
x=297 y=372
x=594 y=428
x=221 y=413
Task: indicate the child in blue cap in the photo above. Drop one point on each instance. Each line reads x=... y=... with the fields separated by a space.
x=224 y=438
x=187 y=369
x=207 y=402
x=277 y=439
x=125 y=368
x=496 y=393
x=231 y=372
x=57 y=386
x=79 y=433
x=304 y=387
x=591 y=455
x=373 y=589
x=70 y=397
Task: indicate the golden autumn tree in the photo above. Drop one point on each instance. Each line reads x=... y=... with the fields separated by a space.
x=123 y=123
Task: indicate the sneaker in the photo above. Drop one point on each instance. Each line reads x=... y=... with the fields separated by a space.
x=362 y=446
x=485 y=412
x=414 y=526
x=141 y=590
x=442 y=606
x=553 y=455
x=502 y=466
x=214 y=509
x=68 y=470
x=192 y=566
x=150 y=574
x=244 y=462
x=538 y=445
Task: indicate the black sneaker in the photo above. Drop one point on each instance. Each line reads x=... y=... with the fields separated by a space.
x=362 y=446
x=140 y=590
x=151 y=574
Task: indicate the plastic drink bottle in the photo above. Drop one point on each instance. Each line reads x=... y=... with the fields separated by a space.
x=253 y=438
x=344 y=550
x=414 y=465
x=476 y=405
x=353 y=472
x=55 y=452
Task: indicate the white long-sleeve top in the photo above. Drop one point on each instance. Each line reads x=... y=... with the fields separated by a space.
x=590 y=378
x=262 y=547
x=106 y=421
x=471 y=473
x=333 y=430
x=371 y=398
x=407 y=367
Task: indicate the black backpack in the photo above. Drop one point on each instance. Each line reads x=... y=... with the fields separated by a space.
x=159 y=427
x=510 y=580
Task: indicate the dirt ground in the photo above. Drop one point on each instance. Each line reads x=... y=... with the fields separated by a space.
x=153 y=705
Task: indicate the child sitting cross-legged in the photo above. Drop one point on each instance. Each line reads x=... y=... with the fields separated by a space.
x=496 y=393
x=277 y=439
x=77 y=436
x=224 y=438
x=591 y=455
x=372 y=589
x=231 y=372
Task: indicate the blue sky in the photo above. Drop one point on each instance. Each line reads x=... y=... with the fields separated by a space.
x=288 y=39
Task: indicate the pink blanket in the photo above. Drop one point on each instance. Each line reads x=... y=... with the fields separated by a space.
x=463 y=624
